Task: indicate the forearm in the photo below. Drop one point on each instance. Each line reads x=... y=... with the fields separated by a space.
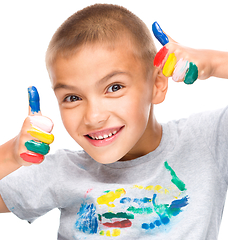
x=220 y=64
x=7 y=162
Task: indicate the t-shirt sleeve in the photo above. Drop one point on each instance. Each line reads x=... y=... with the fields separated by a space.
x=215 y=131
x=29 y=192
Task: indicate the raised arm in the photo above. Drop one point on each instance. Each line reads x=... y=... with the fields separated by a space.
x=31 y=144
x=188 y=64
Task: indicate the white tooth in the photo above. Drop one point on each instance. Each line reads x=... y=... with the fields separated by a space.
x=105 y=136
x=110 y=134
x=114 y=132
x=92 y=137
x=100 y=137
x=96 y=138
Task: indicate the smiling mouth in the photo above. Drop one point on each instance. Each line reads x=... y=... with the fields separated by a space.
x=101 y=135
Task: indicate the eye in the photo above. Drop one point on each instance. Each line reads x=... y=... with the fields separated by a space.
x=72 y=98
x=114 y=88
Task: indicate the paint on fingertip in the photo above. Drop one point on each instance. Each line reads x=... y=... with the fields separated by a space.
x=44 y=137
x=159 y=34
x=32 y=157
x=34 y=99
x=41 y=122
x=169 y=65
x=180 y=70
x=160 y=57
x=192 y=74
x=37 y=147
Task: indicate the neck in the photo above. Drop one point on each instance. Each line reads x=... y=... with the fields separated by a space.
x=149 y=141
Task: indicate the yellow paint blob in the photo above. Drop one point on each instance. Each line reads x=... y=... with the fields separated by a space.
x=169 y=65
x=157 y=188
x=108 y=233
x=110 y=197
x=42 y=136
x=149 y=188
x=116 y=232
x=138 y=186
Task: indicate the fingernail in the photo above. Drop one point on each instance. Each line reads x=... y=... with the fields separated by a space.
x=159 y=34
x=34 y=99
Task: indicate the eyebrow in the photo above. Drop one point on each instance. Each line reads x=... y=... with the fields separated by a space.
x=100 y=82
x=63 y=86
x=110 y=75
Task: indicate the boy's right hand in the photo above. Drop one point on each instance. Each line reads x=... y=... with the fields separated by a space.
x=182 y=63
x=33 y=141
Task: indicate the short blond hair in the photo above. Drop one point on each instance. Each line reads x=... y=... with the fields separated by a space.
x=101 y=23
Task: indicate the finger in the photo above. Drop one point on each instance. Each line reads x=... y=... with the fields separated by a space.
x=37 y=147
x=159 y=58
x=159 y=34
x=192 y=74
x=169 y=65
x=32 y=157
x=34 y=101
x=42 y=122
x=180 y=70
x=44 y=137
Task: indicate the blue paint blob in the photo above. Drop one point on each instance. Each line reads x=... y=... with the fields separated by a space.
x=140 y=201
x=159 y=34
x=165 y=220
x=87 y=221
x=34 y=99
x=125 y=200
x=157 y=223
x=145 y=226
x=179 y=203
x=152 y=226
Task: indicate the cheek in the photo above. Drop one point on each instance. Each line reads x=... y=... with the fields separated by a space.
x=136 y=106
x=69 y=120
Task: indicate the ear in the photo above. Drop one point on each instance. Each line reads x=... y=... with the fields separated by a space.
x=160 y=87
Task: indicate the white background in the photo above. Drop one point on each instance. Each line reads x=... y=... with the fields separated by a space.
x=26 y=28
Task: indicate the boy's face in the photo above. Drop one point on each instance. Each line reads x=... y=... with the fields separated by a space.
x=105 y=102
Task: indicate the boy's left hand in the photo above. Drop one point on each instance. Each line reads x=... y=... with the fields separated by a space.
x=180 y=62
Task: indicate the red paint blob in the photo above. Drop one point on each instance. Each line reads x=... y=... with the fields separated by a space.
x=32 y=157
x=160 y=56
x=119 y=224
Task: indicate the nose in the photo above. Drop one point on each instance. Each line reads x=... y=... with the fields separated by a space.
x=96 y=114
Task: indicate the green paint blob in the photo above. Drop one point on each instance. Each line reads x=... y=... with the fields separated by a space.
x=37 y=147
x=110 y=215
x=147 y=210
x=192 y=74
x=175 y=180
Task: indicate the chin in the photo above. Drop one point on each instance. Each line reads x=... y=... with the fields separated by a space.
x=105 y=158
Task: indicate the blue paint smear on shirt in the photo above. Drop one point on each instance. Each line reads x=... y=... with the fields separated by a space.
x=87 y=221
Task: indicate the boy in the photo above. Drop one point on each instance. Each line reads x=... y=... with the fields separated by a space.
x=147 y=181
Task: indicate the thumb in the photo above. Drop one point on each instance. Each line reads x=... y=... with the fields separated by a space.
x=34 y=101
x=162 y=37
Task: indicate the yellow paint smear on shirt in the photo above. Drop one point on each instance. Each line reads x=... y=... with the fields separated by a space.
x=116 y=232
x=108 y=233
x=110 y=197
x=138 y=186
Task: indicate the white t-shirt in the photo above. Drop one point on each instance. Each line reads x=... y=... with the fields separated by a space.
x=175 y=192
